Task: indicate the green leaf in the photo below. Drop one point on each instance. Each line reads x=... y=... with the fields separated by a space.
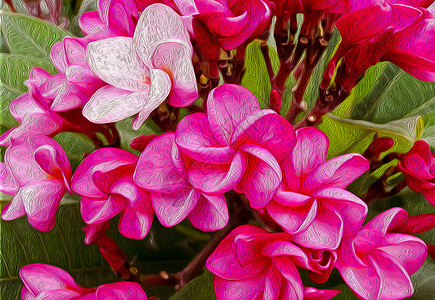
x=30 y=36
x=200 y=288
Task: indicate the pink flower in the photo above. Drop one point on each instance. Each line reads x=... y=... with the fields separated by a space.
x=75 y=84
x=235 y=141
x=37 y=172
x=251 y=263
x=313 y=205
x=34 y=110
x=161 y=171
x=376 y=263
x=112 y=18
x=105 y=181
x=144 y=70
x=401 y=34
x=418 y=166
x=49 y=282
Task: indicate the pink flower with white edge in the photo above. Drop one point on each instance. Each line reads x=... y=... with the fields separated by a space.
x=377 y=261
x=37 y=173
x=235 y=143
x=312 y=205
x=418 y=166
x=161 y=171
x=104 y=180
x=251 y=263
x=48 y=282
x=144 y=70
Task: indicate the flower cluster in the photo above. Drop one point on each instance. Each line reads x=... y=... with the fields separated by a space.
x=228 y=161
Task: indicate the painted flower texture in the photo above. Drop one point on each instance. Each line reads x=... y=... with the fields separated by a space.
x=193 y=149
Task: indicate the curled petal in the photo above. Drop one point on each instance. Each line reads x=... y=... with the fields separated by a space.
x=120 y=291
x=227 y=106
x=97 y=211
x=110 y=104
x=217 y=179
x=210 y=213
x=237 y=289
x=173 y=208
x=311 y=293
x=175 y=57
x=195 y=138
x=293 y=219
x=135 y=224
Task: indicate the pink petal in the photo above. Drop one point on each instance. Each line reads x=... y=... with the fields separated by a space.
x=103 y=160
x=310 y=150
x=175 y=57
x=195 y=138
x=386 y=220
x=135 y=224
x=7 y=181
x=38 y=278
x=311 y=293
x=173 y=208
x=395 y=283
x=156 y=170
x=156 y=23
x=160 y=89
x=293 y=219
x=363 y=281
x=136 y=197
x=292 y=285
x=90 y=22
x=97 y=211
x=14 y=209
x=210 y=213
x=24 y=105
x=272 y=284
x=268 y=130
x=240 y=289
x=110 y=104
x=262 y=178
x=120 y=291
x=114 y=61
x=337 y=172
x=408 y=250
x=291 y=199
x=325 y=232
x=352 y=209
x=285 y=248
x=227 y=106
x=217 y=179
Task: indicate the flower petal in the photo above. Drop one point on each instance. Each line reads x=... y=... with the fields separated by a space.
x=114 y=61
x=337 y=172
x=135 y=224
x=156 y=23
x=173 y=208
x=217 y=179
x=175 y=57
x=97 y=211
x=362 y=280
x=227 y=106
x=120 y=291
x=110 y=104
x=311 y=293
x=238 y=289
x=210 y=213
x=195 y=138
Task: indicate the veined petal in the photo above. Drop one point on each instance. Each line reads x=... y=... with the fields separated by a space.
x=173 y=208
x=110 y=104
x=217 y=179
x=238 y=289
x=210 y=213
x=120 y=291
x=311 y=293
x=227 y=106
x=157 y=22
x=97 y=211
x=114 y=61
x=195 y=138
x=174 y=56
x=362 y=280
x=135 y=224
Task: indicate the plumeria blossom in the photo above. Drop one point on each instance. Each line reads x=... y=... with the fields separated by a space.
x=35 y=112
x=401 y=34
x=251 y=263
x=313 y=205
x=105 y=181
x=48 y=282
x=235 y=143
x=144 y=70
x=37 y=173
x=377 y=262
x=161 y=171
x=418 y=166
